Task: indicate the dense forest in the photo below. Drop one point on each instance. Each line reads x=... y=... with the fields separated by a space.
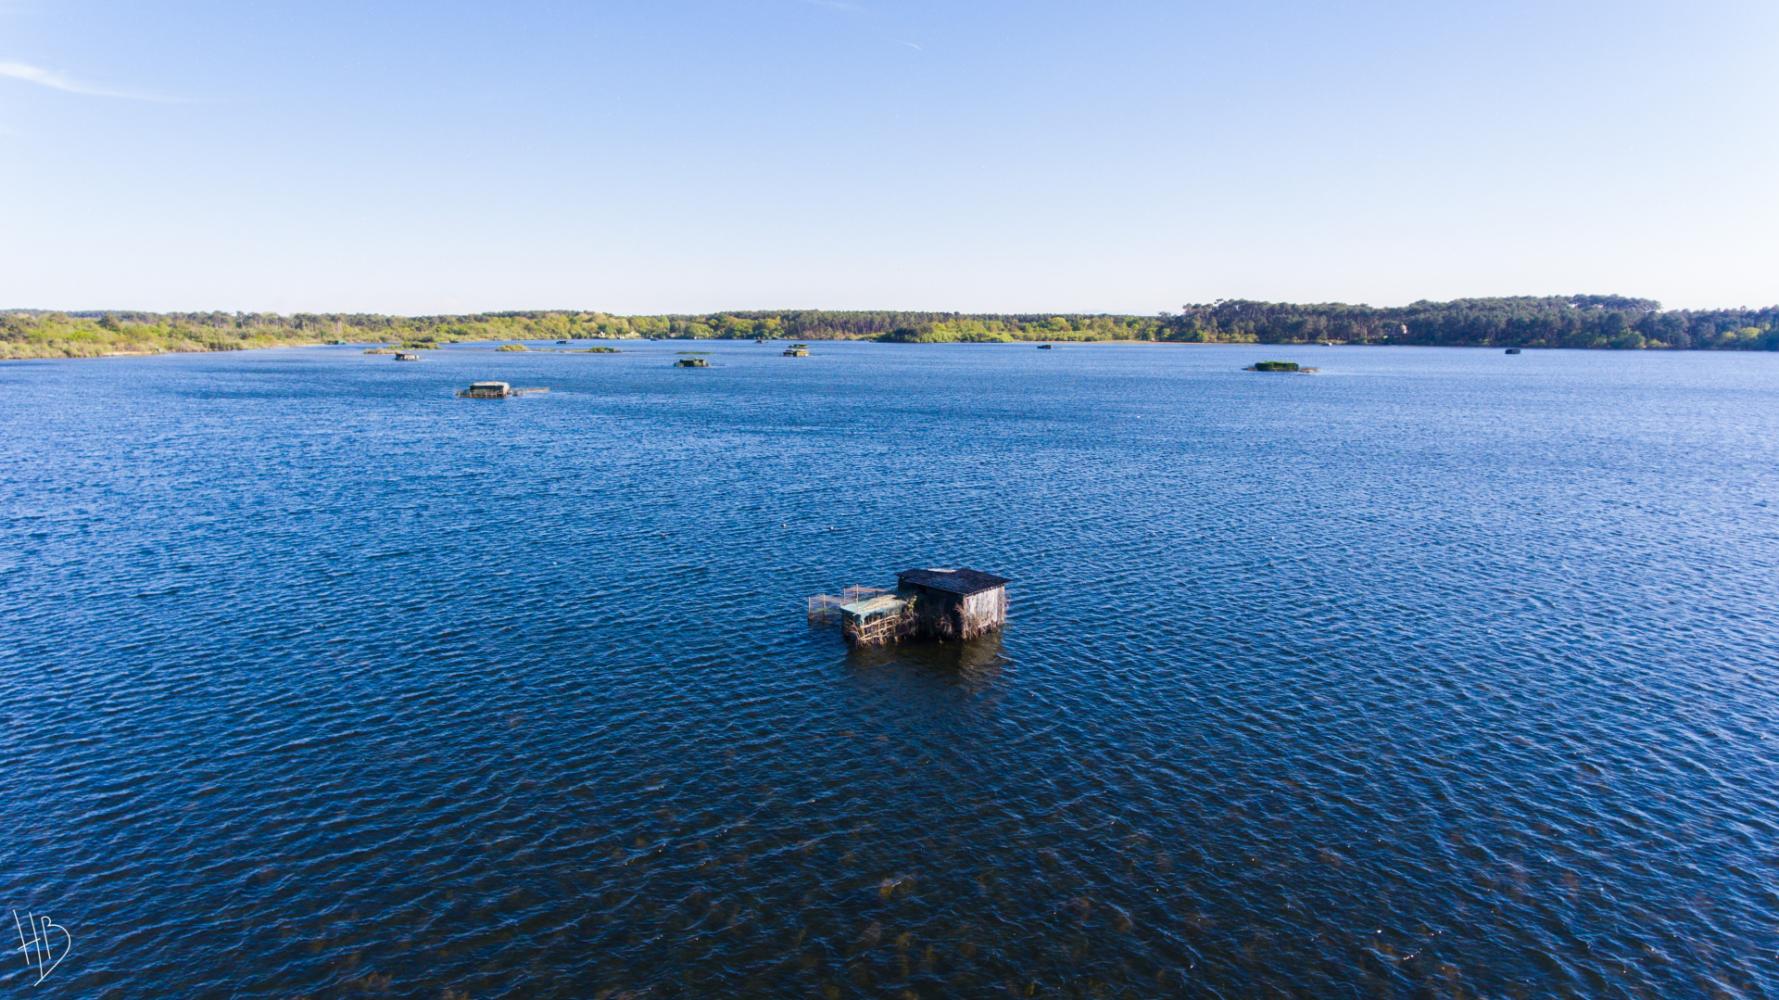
x=1577 y=321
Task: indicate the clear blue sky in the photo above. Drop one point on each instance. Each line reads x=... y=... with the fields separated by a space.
x=694 y=155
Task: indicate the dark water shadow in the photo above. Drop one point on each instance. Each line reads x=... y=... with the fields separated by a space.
x=974 y=665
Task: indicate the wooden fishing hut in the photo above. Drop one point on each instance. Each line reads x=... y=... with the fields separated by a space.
x=954 y=603
x=927 y=604
x=496 y=390
x=486 y=390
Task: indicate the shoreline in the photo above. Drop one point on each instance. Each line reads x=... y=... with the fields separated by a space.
x=1552 y=322
x=870 y=340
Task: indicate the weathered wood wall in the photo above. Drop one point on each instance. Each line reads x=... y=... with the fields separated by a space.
x=983 y=612
x=942 y=615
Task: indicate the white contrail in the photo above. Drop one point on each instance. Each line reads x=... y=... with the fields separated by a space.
x=62 y=82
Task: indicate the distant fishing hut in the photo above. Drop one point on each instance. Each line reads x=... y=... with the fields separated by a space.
x=495 y=390
x=487 y=390
x=926 y=604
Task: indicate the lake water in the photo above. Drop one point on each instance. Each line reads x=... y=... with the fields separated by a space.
x=1440 y=672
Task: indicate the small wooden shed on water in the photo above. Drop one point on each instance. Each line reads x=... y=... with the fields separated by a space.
x=496 y=390
x=928 y=603
x=486 y=390
x=954 y=603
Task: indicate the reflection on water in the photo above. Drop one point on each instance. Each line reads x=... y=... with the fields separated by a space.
x=972 y=665
x=1437 y=674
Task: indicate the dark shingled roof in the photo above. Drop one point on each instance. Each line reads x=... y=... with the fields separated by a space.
x=953 y=581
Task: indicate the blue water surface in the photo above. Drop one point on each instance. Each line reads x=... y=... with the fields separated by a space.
x=1440 y=672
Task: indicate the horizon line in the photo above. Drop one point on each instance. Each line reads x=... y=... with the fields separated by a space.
x=1659 y=306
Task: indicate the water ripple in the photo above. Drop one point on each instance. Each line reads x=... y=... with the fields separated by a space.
x=1436 y=677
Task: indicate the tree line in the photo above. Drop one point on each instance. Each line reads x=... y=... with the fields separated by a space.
x=1573 y=321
